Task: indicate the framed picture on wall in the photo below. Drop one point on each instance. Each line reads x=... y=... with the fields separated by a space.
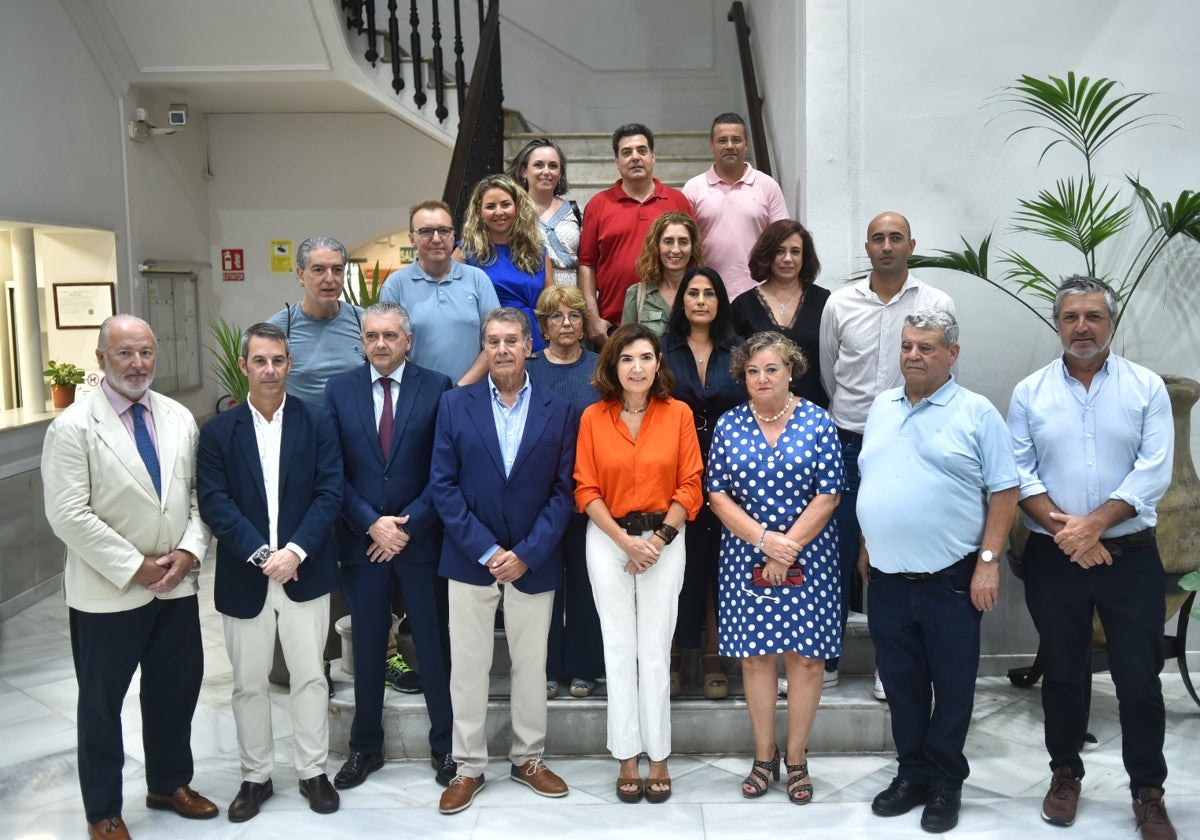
x=81 y=306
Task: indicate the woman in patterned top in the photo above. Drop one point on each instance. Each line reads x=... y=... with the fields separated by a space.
x=774 y=479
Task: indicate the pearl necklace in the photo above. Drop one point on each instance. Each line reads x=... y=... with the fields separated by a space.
x=629 y=410
x=782 y=412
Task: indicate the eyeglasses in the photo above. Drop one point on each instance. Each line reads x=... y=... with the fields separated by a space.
x=319 y=271
x=428 y=233
x=557 y=318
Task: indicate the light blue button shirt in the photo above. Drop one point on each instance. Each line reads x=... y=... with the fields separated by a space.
x=1084 y=446
x=510 y=428
x=927 y=470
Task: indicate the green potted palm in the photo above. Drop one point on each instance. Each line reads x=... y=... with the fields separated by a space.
x=1082 y=213
x=225 y=351
x=63 y=377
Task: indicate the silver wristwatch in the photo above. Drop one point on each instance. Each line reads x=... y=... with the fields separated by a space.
x=987 y=556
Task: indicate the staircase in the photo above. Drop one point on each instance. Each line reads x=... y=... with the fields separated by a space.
x=849 y=719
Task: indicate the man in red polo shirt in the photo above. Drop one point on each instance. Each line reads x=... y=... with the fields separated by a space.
x=615 y=226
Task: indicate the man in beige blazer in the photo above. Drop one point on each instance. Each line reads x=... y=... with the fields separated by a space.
x=118 y=471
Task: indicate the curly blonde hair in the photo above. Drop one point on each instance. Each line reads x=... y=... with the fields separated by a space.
x=649 y=266
x=528 y=248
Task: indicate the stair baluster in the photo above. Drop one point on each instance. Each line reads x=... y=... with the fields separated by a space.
x=439 y=79
x=394 y=44
x=418 y=66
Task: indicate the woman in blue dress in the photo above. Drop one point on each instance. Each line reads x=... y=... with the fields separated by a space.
x=774 y=479
x=502 y=237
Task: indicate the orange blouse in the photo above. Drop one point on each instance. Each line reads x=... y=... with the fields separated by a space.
x=662 y=466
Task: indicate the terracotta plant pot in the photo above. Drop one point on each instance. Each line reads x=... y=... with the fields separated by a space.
x=63 y=395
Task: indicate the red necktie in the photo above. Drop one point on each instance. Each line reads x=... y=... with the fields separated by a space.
x=386 y=419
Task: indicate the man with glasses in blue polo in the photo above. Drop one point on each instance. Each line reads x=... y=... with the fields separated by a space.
x=445 y=299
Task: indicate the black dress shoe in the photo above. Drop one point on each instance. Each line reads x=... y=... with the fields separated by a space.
x=356 y=769
x=900 y=797
x=321 y=796
x=446 y=767
x=249 y=799
x=941 y=812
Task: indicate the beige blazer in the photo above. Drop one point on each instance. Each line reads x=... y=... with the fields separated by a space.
x=101 y=503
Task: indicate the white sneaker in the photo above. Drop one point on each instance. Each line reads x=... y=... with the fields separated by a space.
x=783 y=686
x=878 y=691
x=829 y=680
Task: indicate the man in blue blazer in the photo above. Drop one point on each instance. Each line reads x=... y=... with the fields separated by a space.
x=269 y=485
x=385 y=412
x=503 y=457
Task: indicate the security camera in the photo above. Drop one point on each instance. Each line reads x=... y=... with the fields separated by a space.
x=177 y=115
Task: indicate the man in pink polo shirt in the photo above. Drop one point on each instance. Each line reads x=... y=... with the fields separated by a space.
x=615 y=225
x=732 y=203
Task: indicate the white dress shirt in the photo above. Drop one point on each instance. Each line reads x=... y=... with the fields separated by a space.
x=269 y=434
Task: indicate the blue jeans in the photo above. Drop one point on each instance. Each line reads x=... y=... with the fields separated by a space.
x=926 y=635
x=1129 y=597
x=849 y=532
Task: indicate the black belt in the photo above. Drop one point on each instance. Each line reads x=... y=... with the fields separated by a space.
x=639 y=522
x=849 y=437
x=1138 y=539
x=946 y=572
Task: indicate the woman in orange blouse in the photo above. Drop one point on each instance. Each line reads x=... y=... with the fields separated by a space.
x=637 y=477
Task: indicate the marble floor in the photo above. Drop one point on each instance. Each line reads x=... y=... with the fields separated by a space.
x=39 y=795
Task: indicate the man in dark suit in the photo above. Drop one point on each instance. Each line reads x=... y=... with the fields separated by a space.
x=389 y=531
x=269 y=482
x=501 y=479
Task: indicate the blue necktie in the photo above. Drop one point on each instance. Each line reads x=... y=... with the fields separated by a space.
x=145 y=446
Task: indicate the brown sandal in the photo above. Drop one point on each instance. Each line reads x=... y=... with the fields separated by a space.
x=657 y=796
x=630 y=796
x=758 y=781
x=716 y=684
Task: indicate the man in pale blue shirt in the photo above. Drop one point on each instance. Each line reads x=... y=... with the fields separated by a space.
x=945 y=451
x=1094 y=440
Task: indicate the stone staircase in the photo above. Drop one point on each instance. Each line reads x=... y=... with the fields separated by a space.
x=849 y=719
x=678 y=156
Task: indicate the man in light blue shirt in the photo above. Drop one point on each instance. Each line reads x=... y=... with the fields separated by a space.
x=937 y=499
x=445 y=299
x=1094 y=441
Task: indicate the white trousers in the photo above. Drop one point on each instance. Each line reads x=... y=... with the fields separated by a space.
x=472 y=638
x=302 y=626
x=637 y=619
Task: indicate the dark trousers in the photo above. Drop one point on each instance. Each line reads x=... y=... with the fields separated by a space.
x=368 y=589
x=846 y=517
x=574 y=646
x=1129 y=597
x=926 y=635
x=163 y=637
x=702 y=540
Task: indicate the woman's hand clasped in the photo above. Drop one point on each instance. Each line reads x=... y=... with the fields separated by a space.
x=642 y=555
x=781 y=549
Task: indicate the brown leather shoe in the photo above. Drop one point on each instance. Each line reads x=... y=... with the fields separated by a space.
x=112 y=828
x=461 y=792
x=1151 y=813
x=534 y=774
x=185 y=802
x=1062 y=800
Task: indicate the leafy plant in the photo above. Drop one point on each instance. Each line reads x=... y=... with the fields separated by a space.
x=365 y=295
x=60 y=374
x=1079 y=212
x=228 y=338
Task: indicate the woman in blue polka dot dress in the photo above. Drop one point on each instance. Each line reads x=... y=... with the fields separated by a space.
x=774 y=478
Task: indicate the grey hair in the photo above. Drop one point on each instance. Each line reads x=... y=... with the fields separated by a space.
x=787 y=349
x=316 y=243
x=1080 y=284
x=935 y=319
x=506 y=314
x=262 y=330
x=386 y=307
x=102 y=339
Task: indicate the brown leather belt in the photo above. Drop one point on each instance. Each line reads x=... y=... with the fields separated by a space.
x=639 y=522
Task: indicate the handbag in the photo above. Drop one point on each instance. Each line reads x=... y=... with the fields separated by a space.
x=795 y=576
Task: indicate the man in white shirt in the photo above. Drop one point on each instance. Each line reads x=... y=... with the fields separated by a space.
x=269 y=481
x=860 y=331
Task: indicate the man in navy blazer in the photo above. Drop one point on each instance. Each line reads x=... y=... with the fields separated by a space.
x=269 y=485
x=502 y=482
x=389 y=532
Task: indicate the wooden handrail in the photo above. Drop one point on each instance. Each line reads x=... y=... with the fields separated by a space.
x=754 y=101
x=479 y=149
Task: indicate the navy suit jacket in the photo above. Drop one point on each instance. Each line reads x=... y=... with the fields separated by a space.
x=527 y=511
x=233 y=502
x=395 y=485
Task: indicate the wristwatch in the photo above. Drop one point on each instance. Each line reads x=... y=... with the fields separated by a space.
x=987 y=556
x=260 y=557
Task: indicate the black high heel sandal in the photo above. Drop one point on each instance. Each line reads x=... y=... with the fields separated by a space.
x=758 y=780
x=798 y=793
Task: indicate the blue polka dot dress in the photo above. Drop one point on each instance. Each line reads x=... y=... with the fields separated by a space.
x=774 y=485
